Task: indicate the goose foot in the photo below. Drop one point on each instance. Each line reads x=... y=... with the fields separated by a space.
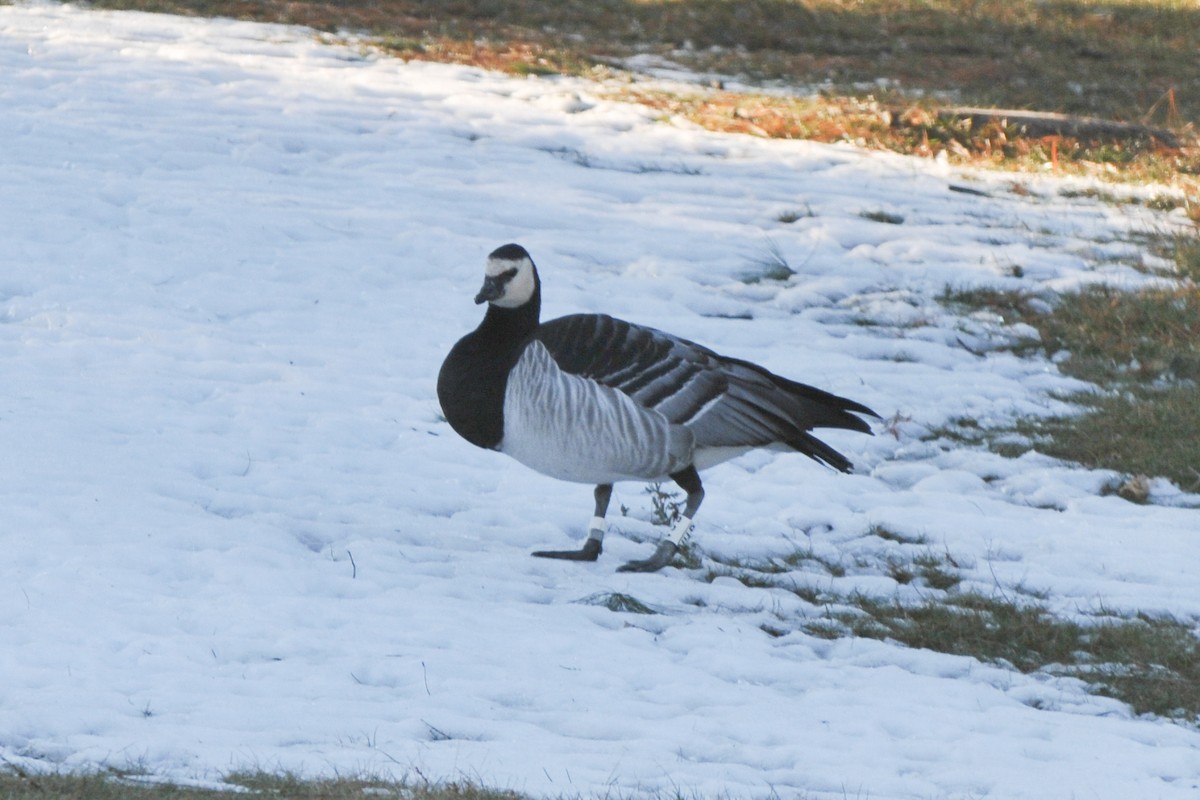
x=662 y=556
x=589 y=552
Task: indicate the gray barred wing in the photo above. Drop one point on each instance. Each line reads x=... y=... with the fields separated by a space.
x=675 y=377
x=725 y=402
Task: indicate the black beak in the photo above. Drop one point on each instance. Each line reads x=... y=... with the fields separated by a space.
x=493 y=287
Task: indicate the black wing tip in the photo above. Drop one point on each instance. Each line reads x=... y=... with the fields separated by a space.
x=820 y=452
x=843 y=416
x=859 y=408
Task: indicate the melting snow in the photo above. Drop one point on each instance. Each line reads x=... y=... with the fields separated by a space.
x=237 y=533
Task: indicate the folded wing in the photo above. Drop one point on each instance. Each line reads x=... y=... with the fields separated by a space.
x=724 y=402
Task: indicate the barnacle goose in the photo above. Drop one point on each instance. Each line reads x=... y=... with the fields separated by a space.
x=593 y=399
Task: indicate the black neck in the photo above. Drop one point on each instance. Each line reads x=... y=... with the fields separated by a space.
x=473 y=379
x=511 y=326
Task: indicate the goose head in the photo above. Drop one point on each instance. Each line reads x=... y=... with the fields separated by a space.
x=510 y=278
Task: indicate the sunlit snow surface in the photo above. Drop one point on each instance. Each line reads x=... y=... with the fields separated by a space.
x=238 y=535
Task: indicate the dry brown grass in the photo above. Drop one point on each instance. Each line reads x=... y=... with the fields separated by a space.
x=1113 y=58
x=884 y=67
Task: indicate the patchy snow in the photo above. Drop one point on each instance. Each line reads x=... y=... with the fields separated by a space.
x=237 y=533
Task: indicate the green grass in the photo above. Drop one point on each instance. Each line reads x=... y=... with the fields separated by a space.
x=1141 y=348
x=1150 y=432
x=21 y=785
x=666 y=505
x=1126 y=338
x=1153 y=664
x=884 y=217
x=1187 y=257
x=296 y=788
x=790 y=216
x=771 y=264
x=17 y=784
x=618 y=602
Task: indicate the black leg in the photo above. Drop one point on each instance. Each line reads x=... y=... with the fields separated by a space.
x=592 y=547
x=689 y=481
x=603 y=494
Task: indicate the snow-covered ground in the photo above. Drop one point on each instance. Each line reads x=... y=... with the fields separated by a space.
x=238 y=535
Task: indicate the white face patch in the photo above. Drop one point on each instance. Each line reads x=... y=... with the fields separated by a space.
x=519 y=288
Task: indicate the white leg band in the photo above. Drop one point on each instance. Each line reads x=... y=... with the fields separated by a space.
x=680 y=532
x=596 y=528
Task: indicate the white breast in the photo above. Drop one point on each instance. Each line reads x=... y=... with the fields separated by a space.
x=575 y=429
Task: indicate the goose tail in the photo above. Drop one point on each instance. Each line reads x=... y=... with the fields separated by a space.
x=821 y=409
x=827 y=410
